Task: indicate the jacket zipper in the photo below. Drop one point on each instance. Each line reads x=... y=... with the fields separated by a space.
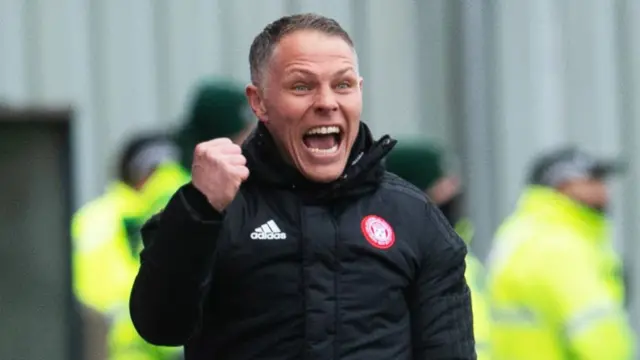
x=336 y=282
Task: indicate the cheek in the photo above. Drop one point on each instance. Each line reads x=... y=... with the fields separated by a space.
x=289 y=112
x=352 y=106
x=279 y=110
x=294 y=106
x=604 y=193
x=281 y=127
x=593 y=194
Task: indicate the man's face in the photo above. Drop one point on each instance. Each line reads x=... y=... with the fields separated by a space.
x=591 y=192
x=311 y=101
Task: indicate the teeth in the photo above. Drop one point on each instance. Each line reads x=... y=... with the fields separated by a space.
x=324 y=130
x=325 y=151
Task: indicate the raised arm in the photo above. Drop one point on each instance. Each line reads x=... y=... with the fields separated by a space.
x=175 y=268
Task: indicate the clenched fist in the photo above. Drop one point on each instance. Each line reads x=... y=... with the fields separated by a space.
x=217 y=171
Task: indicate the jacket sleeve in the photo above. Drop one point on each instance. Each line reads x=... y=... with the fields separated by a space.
x=441 y=316
x=579 y=295
x=175 y=268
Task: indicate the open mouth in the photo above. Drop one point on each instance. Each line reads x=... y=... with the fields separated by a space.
x=323 y=139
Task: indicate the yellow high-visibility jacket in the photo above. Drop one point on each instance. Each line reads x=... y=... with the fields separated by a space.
x=161 y=185
x=476 y=278
x=554 y=283
x=105 y=266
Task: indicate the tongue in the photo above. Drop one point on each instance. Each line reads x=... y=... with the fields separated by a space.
x=320 y=141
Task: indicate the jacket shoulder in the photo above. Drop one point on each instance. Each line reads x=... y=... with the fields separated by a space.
x=95 y=222
x=394 y=184
x=411 y=201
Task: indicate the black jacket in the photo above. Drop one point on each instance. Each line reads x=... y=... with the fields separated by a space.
x=288 y=273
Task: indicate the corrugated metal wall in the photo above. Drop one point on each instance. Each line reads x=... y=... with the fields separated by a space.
x=497 y=80
x=130 y=65
x=541 y=73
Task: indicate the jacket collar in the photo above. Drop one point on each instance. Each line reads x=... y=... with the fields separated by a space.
x=362 y=174
x=553 y=206
x=125 y=198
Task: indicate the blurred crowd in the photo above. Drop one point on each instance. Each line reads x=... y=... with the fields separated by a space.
x=552 y=287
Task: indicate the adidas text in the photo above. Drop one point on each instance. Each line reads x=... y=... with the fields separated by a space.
x=269 y=236
x=268 y=231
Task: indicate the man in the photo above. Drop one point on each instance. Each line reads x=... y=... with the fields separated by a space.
x=300 y=246
x=423 y=165
x=150 y=166
x=554 y=278
x=106 y=245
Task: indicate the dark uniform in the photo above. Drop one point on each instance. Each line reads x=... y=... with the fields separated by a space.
x=300 y=270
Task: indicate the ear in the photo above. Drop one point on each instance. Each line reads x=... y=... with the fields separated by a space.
x=256 y=102
x=360 y=81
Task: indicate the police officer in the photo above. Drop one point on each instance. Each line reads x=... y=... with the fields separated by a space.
x=423 y=164
x=299 y=245
x=554 y=277
x=107 y=242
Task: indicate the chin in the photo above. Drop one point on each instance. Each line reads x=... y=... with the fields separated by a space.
x=323 y=174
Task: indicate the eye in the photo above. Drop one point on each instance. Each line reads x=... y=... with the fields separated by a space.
x=300 y=87
x=344 y=85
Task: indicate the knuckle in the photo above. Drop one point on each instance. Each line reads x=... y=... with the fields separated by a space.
x=210 y=154
x=200 y=149
x=232 y=149
x=222 y=140
x=216 y=163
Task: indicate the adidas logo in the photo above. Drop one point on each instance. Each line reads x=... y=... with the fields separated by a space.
x=268 y=231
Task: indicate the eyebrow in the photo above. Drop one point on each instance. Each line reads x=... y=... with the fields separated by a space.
x=345 y=70
x=309 y=73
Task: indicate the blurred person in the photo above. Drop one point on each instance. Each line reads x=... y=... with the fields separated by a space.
x=423 y=164
x=149 y=166
x=217 y=109
x=107 y=242
x=299 y=245
x=554 y=278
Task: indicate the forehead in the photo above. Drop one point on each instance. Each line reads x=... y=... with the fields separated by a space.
x=310 y=47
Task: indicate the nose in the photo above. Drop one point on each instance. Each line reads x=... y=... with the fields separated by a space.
x=325 y=101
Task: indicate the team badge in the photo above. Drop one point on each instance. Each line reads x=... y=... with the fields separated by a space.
x=377 y=231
